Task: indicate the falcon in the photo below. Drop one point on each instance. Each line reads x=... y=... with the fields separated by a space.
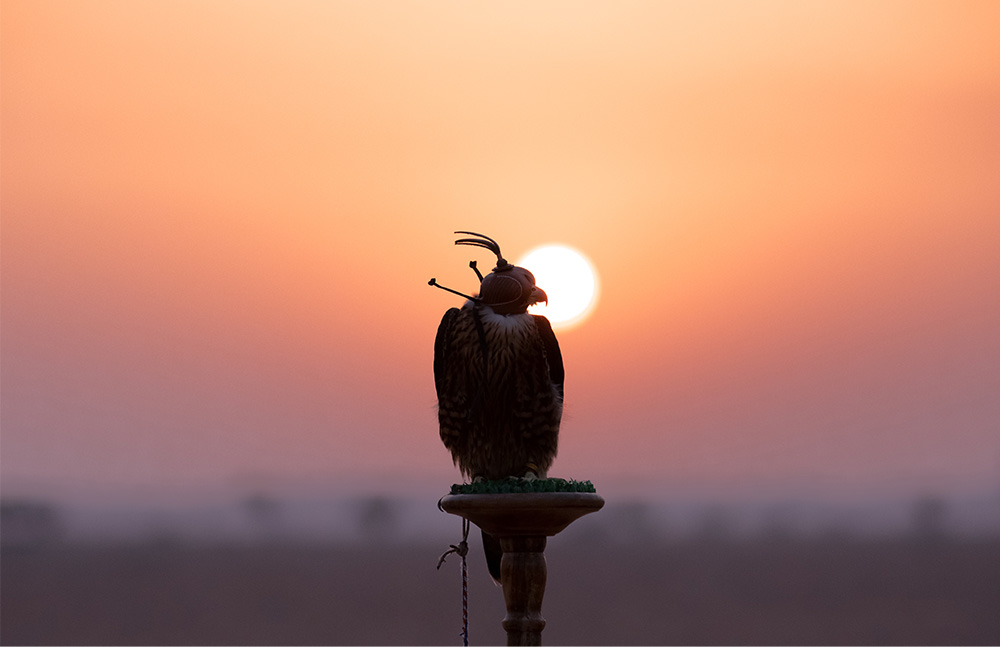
x=499 y=376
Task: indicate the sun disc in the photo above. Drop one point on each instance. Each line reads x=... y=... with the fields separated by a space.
x=568 y=279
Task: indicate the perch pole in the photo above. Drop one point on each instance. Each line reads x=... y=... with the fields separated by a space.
x=522 y=522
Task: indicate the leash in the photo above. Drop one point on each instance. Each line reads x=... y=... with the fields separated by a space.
x=462 y=549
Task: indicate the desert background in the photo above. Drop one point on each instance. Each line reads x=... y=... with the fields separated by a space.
x=218 y=221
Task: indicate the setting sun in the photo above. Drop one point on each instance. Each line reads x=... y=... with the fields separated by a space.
x=568 y=279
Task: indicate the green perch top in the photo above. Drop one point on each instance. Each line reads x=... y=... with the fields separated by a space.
x=513 y=485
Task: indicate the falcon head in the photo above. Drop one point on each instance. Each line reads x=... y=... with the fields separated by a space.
x=508 y=289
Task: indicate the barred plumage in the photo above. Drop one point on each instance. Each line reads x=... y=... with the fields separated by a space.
x=501 y=419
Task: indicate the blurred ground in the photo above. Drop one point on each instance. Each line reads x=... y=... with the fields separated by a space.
x=710 y=589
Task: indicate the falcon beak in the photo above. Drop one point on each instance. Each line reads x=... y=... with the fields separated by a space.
x=537 y=296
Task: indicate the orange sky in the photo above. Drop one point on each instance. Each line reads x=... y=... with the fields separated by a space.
x=218 y=221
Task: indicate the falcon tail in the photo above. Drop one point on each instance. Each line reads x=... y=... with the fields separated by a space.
x=494 y=553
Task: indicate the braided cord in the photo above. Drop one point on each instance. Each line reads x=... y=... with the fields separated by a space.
x=465 y=585
x=462 y=549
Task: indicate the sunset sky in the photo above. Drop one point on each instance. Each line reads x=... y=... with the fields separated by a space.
x=219 y=219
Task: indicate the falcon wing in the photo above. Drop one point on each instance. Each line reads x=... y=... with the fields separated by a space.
x=451 y=380
x=442 y=350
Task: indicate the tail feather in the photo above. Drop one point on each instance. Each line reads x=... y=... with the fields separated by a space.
x=494 y=553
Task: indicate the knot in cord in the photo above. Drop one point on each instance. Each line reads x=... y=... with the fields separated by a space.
x=461 y=549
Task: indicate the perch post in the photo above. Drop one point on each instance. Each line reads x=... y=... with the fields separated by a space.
x=522 y=522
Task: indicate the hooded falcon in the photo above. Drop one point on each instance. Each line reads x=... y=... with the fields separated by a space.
x=499 y=378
